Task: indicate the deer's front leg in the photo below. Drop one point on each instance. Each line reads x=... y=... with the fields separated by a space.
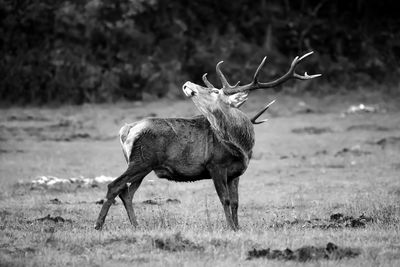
x=234 y=196
x=219 y=176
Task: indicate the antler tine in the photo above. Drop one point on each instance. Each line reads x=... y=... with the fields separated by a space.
x=305 y=55
x=228 y=89
x=207 y=82
x=253 y=120
x=236 y=84
x=255 y=77
x=290 y=74
x=221 y=76
x=306 y=76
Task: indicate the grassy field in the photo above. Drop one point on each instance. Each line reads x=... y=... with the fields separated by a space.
x=311 y=160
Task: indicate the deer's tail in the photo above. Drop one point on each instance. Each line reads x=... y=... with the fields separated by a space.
x=123 y=135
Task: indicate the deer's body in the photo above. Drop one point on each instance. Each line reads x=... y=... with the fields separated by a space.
x=216 y=145
x=179 y=149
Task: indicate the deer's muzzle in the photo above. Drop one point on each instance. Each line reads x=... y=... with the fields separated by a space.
x=189 y=89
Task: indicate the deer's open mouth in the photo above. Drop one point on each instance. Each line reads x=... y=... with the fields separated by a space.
x=189 y=92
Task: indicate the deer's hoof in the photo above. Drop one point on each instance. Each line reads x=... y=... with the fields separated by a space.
x=98 y=226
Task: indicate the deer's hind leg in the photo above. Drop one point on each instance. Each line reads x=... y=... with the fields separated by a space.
x=127 y=195
x=133 y=175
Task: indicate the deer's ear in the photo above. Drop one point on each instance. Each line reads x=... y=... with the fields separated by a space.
x=238 y=99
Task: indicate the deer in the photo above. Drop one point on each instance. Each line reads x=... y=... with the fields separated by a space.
x=215 y=145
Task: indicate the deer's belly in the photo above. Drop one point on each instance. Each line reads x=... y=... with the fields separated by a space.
x=183 y=175
x=194 y=173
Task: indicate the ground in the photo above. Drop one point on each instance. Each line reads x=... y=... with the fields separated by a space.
x=312 y=161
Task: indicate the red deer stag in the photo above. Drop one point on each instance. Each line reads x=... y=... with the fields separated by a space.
x=216 y=145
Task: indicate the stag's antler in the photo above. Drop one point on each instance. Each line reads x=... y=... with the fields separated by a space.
x=255 y=84
x=207 y=82
x=259 y=113
x=221 y=76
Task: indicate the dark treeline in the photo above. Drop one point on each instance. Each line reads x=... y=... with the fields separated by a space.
x=104 y=50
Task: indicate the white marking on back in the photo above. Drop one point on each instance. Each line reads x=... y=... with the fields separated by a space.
x=132 y=135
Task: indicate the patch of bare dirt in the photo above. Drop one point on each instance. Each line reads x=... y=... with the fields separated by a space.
x=335 y=166
x=151 y=202
x=55 y=201
x=161 y=201
x=306 y=253
x=173 y=201
x=101 y=202
x=176 y=243
x=368 y=127
x=56 y=219
x=112 y=241
x=388 y=142
x=312 y=130
x=308 y=110
x=335 y=221
x=354 y=151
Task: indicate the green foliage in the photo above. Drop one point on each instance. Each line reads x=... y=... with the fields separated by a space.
x=104 y=50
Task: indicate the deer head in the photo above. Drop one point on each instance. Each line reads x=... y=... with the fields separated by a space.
x=209 y=98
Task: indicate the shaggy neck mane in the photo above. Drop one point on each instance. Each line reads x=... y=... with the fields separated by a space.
x=232 y=127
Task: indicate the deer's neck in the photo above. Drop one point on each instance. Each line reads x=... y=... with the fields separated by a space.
x=232 y=127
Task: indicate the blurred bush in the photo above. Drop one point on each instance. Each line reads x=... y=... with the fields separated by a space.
x=104 y=50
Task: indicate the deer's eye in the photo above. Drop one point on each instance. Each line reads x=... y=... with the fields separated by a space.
x=215 y=91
